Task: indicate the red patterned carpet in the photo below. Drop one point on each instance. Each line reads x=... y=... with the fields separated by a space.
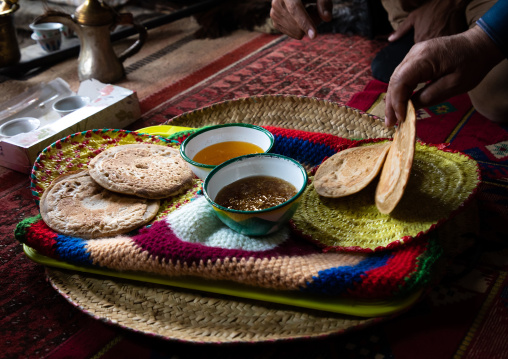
x=465 y=316
x=331 y=68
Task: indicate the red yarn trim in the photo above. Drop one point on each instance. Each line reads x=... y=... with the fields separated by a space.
x=40 y=237
x=386 y=280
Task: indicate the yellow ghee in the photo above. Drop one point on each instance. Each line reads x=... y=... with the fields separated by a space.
x=220 y=152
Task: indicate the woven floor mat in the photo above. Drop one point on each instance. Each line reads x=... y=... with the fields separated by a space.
x=193 y=317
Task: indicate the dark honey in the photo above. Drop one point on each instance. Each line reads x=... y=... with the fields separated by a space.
x=255 y=193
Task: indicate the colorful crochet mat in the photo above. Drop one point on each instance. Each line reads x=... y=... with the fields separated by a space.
x=187 y=239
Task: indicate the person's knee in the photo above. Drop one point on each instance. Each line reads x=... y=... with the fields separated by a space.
x=490 y=97
x=493 y=107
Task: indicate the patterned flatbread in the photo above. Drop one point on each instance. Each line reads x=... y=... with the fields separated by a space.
x=144 y=170
x=350 y=171
x=75 y=205
x=398 y=163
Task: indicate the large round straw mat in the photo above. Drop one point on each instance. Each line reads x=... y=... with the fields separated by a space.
x=177 y=314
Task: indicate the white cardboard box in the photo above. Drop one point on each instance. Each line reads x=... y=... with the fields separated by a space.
x=110 y=107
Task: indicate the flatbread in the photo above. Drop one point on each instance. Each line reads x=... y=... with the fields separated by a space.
x=144 y=170
x=75 y=205
x=350 y=171
x=397 y=168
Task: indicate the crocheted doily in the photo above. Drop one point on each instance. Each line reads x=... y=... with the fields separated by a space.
x=188 y=239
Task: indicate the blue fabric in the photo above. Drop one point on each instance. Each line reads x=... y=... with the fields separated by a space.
x=495 y=24
x=338 y=280
x=73 y=250
x=301 y=150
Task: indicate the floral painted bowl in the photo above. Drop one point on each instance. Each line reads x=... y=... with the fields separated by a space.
x=262 y=221
x=240 y=138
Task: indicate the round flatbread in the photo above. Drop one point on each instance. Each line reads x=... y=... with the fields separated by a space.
x=75 y=205
x=350 y=171
x=398 y=163
x=144 y=170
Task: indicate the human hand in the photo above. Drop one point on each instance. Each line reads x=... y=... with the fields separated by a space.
x=292 y=18
x=433 y=19
x=449 y=65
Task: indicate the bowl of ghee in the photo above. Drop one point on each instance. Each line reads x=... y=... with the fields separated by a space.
x=256 y=194
x=209 y=147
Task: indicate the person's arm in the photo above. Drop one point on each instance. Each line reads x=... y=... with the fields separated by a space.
x=495 y=24
x=450 y=65
x=432 y=19
x=292 y=18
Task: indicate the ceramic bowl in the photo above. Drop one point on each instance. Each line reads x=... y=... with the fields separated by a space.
x=19 y=125
x=69 y=104
x=212 y=135
x=46 y=30
x=265 y=221
x=49 y=44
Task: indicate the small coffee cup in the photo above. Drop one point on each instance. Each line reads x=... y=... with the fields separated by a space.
x=70 y=104
x=46 y=30
x=49 y=44
x=67 y=32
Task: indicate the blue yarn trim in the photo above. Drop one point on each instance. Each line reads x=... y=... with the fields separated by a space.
x=338 y=280
x=302 y=150
x=72 y=250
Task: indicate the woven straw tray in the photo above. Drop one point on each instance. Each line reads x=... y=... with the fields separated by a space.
x=175 y=311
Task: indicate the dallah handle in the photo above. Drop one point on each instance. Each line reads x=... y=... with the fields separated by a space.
x=128 y=19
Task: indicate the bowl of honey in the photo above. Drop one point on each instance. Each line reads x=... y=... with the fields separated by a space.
x=256 y=194
x=205 y=149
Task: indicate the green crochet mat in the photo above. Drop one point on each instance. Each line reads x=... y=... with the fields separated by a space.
x=441 y=182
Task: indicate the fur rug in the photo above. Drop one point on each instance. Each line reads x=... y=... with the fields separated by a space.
x=357 y=17
x=231 y=15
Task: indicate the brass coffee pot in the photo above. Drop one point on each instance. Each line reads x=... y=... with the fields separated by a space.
x=9 y=47
x=92 y=22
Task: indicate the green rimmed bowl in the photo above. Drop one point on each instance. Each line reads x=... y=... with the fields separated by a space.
x=222 y=133
x=265 y=221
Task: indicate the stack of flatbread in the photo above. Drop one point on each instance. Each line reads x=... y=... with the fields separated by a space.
x=120 y=191
x=351 y=170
